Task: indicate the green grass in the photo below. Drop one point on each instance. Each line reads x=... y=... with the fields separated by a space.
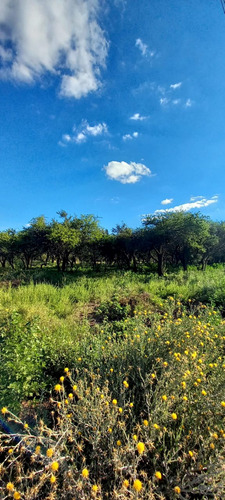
x=43 y=326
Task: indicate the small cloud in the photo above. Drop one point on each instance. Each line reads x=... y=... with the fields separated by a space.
x=185 y=207
x=176 y=102
x=126 y=173
x=81 y=133
x=175 y=86
x=138 y=117
x=81 y=137
x=164 y=101
x=66 y=138
x=189 y=103
x=195 y=198
x=167 y=201
x=99 y=129
x=142 y=46
x=128 y=137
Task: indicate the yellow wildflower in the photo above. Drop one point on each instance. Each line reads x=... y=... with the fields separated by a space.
x=49 y=452
x=10 y=486
x=137 y=485
x=16 y=495
x=140 y=447
x=85 y=473
x=55 y=466
x=158 y=475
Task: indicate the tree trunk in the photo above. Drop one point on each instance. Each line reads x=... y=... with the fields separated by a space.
x=160 y=264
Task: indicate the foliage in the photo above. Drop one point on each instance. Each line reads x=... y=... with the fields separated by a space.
x=140 y=416
x=166 y=241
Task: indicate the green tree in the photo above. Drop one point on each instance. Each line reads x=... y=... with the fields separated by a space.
x=179 y=234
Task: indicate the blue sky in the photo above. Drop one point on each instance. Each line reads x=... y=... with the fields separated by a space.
x=112 y=108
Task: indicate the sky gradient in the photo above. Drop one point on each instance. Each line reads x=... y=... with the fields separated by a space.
x=111 y=108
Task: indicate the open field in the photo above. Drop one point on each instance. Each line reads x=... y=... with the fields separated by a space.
x=118 y=382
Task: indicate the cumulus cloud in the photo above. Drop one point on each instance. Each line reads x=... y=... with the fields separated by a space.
x=126 y=173
x=138 y=117
x=58 y=37
x=128 y=137
x=175 y=86
x=80 y=134
x=167 y=201
x=198 y=203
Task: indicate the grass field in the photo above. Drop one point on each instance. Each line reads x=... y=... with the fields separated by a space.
x=114 y=385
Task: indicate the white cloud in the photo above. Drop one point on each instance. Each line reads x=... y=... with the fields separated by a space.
x=142 y=46
x=188 y=103
x=176 y=101
x=81 y=133
x=195 y=198
x=66 y=138
x=80 y=137
x=5 y=54
x=126 y=173
x=128 y=137
x=138 y=117
x=164 y=101
x=167 y=201
x=175 y=86
x=99 y=129
x=61 y=37
x=201 y=203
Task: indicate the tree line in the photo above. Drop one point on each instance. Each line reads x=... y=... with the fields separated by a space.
x=165 y=241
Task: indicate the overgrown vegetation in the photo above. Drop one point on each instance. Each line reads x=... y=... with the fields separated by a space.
x=118 y=384
x=139 y=412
